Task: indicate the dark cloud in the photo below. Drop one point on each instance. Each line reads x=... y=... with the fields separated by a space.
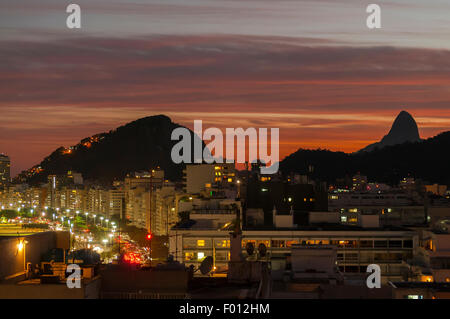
x=67 y=87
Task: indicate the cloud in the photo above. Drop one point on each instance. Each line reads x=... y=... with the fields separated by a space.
x=316 y=91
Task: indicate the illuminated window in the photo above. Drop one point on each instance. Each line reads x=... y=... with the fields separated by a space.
x=230 y=180
x=427 y=278
x=189 y=256
x=277 y=244
x=200 y=255
x=289 y=243
x=415 y=297
x=224 y=244
x=200 y=243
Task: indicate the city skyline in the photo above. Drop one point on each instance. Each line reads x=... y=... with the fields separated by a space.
x=224 y=155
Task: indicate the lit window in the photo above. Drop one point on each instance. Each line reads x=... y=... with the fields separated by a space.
x=415 y=297
x=189 y=256
x=200 y=243
x=230 y=180
x=200 y=255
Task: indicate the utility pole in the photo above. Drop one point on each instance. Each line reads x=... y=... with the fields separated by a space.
x=150 y=213
x=119 y=236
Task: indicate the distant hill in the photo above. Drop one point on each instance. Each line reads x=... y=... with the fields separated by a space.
x=428 y=159
x=404 y=129
x=140 y=145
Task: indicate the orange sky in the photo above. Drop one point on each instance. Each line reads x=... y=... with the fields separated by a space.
x=310 y=68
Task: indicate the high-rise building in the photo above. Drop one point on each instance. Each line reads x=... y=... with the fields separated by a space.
x=139 y=193
x=198 y=177
x=359 y=182
x=5 y=170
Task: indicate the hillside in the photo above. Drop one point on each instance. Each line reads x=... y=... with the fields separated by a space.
x=404 y=129
x=139 y=145
x=428 y=159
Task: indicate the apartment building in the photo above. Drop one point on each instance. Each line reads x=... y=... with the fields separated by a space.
x=356 y=247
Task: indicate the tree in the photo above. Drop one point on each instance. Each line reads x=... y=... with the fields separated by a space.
x=8 y=213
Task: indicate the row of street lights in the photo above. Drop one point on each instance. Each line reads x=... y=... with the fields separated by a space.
x=87 y=214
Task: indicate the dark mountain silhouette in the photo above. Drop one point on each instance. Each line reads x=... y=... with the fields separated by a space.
x=404 y=129
x=140 y=145
x=428 y=160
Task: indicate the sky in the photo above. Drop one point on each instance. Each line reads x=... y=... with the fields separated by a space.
x=310 y=68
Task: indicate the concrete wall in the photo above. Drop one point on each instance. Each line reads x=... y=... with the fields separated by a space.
x=319 y=258
x=117 y=279
x=324 y=217
x=89 y=290
x=13 y=259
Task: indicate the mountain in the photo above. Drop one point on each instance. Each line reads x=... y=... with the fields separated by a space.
x=140 y=145
x=403 y=130
x=427 y=160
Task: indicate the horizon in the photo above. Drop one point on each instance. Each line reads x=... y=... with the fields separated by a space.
x=237 y=165
x=310 y=68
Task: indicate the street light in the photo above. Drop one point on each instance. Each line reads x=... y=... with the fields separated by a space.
x=86 y=216
x=101 y=220
x=94 y=218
